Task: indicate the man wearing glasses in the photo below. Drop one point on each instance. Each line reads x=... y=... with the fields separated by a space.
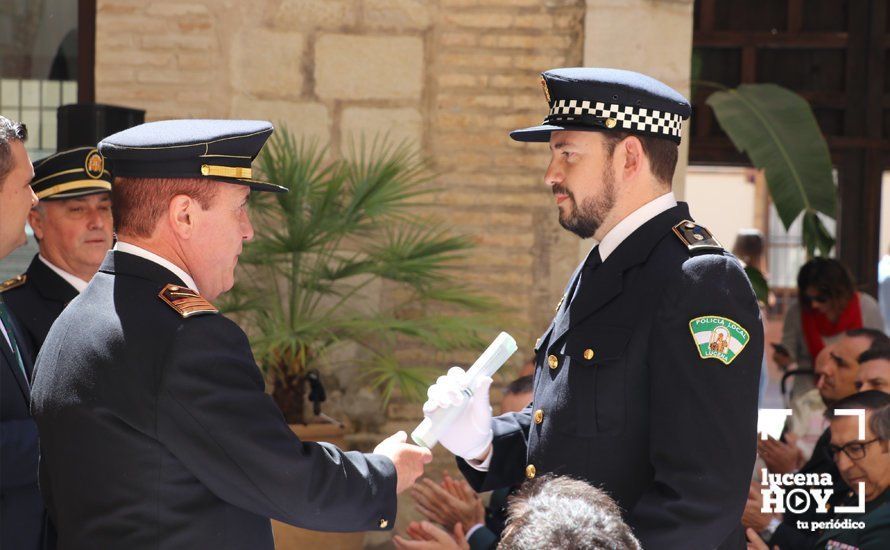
x=864 y=460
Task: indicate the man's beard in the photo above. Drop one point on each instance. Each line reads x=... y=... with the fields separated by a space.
x=584 y=219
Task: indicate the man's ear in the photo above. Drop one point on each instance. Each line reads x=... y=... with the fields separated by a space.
x=35 y=220
x=633 y=156
x=181 y=215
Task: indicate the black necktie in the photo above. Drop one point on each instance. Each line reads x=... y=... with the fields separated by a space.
x=590 y=264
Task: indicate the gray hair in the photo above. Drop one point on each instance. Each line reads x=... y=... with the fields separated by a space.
x=9 y=131
x=561 y=512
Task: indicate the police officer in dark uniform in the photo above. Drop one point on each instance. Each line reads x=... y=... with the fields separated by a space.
x=73 y=226
x=155 y=429
x=646 y=380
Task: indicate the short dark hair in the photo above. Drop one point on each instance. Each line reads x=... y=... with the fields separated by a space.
x=876 y=351
x=662 y=153
x=829 y=276
x=875 y=337
x=561 y=512
x=9 y=131
x=875 y=401
x=523 y=384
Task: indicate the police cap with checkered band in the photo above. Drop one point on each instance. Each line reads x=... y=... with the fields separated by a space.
x=586 y=98
x=211 y=150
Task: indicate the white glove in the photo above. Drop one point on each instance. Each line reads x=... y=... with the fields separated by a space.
x=470 y=434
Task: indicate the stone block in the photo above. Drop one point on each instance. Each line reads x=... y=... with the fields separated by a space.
x=397 y=125
x=268 y=64
x=368 y=67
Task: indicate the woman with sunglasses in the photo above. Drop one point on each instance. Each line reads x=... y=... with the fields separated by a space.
x=828 y=305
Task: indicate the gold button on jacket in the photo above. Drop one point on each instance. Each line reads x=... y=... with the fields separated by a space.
x=539 y=416
x=530 y=471
x=588 y=354
x=553 y=361
x=383 y=524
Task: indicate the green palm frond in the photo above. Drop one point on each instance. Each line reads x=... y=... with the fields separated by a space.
x=346 y=224
x=387 y=374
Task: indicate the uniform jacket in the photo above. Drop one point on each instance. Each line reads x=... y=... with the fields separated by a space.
x=21 y=509
x=624 y=400
x=38 y=301
x=156 y=432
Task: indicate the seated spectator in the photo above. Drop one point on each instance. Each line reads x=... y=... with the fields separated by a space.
x=547 y=512
x=453 y=501
x=863 y=461
x=836 y=380
x=828 y=305
x=874 y=369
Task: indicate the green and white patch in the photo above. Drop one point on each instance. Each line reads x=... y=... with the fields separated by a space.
x=718 y=337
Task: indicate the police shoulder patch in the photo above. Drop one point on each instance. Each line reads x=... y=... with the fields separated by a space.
x=718 y=337
x=186 y=301
x=15 y=282
x=696 y=237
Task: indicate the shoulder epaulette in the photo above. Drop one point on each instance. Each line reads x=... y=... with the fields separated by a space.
x=186 y=301
x=697 y=238
x=15 y=282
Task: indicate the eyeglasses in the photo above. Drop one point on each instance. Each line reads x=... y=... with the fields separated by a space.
x=854 y=450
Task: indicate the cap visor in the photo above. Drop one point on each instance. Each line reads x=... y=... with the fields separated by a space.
x=542 y=133
x=255 y=185
x=82 y=192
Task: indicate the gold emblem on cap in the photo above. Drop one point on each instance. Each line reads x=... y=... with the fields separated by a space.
x=546 y=90
x=94 y=165
x=610 y=122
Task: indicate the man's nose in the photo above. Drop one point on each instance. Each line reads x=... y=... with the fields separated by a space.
x=554 y=175
x=248 y=229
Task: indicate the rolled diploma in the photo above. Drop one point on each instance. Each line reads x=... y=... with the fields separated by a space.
x=427 y=432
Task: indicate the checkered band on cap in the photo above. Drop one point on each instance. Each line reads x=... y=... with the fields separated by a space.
x=626 y=117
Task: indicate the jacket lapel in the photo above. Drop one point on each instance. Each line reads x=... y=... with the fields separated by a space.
x=12 y=363
x=606 y=282
x=49 y=284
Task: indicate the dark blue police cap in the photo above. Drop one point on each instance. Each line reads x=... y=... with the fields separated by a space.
x=608 y=100
x=215 y=150
x=71 y=173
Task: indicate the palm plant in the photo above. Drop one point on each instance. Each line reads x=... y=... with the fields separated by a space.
x=306 y=277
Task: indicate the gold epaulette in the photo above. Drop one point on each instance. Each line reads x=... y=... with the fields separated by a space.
x=696 y=237
x=186 y=301
x=15 y=282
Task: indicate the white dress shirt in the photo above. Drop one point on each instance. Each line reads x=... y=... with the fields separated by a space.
x=73 y=280
x=152 y=257
x=634 y=221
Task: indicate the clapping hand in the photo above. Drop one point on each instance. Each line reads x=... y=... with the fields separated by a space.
x=428 y=536
x=450 y=503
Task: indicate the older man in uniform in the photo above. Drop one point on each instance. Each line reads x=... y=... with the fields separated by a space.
x=633 y=390
x=73 y=227
x=155 y=429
